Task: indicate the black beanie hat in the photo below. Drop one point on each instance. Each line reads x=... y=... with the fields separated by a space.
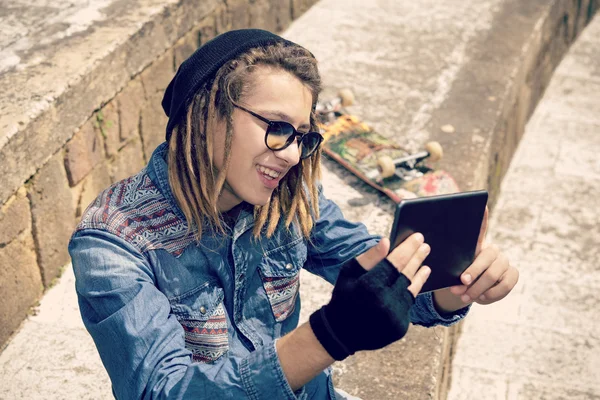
x=204 y=63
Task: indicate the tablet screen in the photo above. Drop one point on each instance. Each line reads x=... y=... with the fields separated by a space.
x=450 y=224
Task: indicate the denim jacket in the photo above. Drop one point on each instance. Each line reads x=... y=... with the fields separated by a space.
x=173 y=318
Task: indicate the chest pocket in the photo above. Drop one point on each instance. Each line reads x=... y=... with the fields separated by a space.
x=202 y=316
x=280 y=275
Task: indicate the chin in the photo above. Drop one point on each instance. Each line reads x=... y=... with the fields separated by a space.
x=258 y=199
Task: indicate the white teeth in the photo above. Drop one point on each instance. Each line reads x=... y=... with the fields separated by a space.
x=268 y=171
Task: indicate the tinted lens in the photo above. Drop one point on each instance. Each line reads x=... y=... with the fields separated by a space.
x=309 y=143
x=279 y=135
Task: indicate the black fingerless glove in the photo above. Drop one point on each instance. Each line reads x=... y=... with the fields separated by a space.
x=368 y=310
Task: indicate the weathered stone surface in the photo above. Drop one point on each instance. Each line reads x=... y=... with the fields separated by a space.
x=205 y=31
x=53 y=356
x=153 y=119
x=222 y=19
x=128 y=161
x=396 y=368
x=107 y=122
x=20 y=282
x=238 y=14
x=91 y=186
x=262 y=14
x=545 y=332
x=157 y=76
x=282 y=12
x=185 y=47
x=15 y=217
x=524 y=69
x=586 y=66
x=130 y=102
x=83 y=152
x=527 y=388
x=494 y=386
x=153 y=123
x=52 y=212
x=574 y=94
x=299 y=7
x=57 y=75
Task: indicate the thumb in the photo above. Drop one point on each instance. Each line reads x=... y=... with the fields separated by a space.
x=375 y=254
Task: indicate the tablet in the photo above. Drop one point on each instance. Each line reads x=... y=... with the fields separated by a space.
x=450 y=224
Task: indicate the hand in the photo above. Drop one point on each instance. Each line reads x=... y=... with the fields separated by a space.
x=376 y=286
x=488 y=279
x=406 y=258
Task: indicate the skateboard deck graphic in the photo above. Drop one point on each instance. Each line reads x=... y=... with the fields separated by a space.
x=377 y=160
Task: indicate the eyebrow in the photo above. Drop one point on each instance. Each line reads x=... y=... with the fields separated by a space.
x=284 y=117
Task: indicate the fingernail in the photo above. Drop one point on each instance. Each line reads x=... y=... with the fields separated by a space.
x=420 y=238
x=467 y=278
x=427 y=270
x=482 y=297
x=465 y=298
x=424 y=248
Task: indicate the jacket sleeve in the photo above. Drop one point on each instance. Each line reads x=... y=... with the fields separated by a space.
x=141 y=343
x=336 y=240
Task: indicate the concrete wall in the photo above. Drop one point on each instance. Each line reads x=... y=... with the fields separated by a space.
x=52 y=165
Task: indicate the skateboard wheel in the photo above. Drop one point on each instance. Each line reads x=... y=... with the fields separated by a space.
x=435 y=151
x=347 y=97
x=386 y=166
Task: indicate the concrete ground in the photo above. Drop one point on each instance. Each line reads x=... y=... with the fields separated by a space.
x=540 y=342
x=543 y=340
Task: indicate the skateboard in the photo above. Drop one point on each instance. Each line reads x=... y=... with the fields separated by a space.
x=377 y=160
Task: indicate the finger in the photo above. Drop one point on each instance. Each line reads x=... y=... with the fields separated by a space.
x=482 y=231
x=481 y=263
x=505 y=285
x=488 y=279
x=374 y=255
x=415 y=261
x=401 y=255
x=458 y=290
x=418 y=280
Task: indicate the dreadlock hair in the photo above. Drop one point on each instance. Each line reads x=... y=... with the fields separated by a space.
x=197 y=184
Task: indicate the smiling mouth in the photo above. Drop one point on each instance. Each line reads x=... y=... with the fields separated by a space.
x=268 y=173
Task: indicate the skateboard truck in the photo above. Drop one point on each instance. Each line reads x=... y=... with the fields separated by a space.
x=328 y=109
x=405 y=167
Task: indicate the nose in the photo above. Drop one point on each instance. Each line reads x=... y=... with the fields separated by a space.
x=290 y=154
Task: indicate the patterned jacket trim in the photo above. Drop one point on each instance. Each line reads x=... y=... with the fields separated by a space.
x=136 y=211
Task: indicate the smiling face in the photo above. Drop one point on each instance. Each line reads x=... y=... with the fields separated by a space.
x=255 y=171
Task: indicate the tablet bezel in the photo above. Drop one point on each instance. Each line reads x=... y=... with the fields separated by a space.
x=450 y=224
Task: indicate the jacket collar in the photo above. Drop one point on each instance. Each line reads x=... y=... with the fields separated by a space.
x=157 y=170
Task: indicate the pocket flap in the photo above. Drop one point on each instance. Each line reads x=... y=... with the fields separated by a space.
x=199 y=303
x=286 y=262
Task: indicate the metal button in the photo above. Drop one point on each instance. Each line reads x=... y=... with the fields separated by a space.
x=289 y=267
x=202 y=310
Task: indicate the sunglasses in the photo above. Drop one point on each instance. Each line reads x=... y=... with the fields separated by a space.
x=281 y=134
